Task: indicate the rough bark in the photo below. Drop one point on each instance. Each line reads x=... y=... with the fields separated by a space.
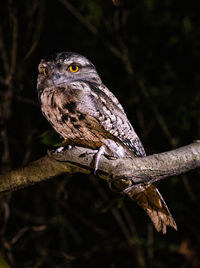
x=123 y=172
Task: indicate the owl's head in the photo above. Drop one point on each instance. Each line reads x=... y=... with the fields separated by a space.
x=65 y=67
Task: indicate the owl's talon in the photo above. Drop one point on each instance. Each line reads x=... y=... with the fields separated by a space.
x=69 y=147
x=97 y=158
x=59 y=149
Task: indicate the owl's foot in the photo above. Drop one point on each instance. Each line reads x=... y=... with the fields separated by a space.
x=111 y=149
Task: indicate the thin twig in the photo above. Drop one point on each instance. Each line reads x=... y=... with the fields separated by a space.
x=4 y=55
x=126 y=232
x=158 y=116
x=14 y=44
x=91 y=28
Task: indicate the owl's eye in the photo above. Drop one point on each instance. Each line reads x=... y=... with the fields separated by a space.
x=45 y=71
x=74 y=68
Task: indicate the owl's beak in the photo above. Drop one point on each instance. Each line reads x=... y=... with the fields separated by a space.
x=58 y=79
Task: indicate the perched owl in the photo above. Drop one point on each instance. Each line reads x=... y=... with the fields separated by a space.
x=85 y=113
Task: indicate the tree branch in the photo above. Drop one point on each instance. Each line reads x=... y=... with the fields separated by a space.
x=122 y=172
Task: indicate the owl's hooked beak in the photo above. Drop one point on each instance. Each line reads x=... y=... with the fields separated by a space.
x=58 y=79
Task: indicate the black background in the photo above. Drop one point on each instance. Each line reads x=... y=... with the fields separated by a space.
x=155 y=73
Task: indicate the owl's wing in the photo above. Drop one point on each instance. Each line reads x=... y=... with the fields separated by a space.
x=111 y=96
x=114 y=120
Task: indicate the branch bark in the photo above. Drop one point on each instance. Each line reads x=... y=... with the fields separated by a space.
x=122 y=172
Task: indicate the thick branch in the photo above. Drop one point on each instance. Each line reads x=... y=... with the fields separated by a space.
x=137 y=171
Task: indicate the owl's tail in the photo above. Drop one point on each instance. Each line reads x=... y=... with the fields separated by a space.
x=150 y=199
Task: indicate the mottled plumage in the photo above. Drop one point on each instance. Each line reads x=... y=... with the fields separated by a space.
x=85 y=113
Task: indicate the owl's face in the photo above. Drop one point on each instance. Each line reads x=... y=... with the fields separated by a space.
x=65 y=67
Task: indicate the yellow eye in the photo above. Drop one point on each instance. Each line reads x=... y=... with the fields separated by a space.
x=73 y=68
x=45 y=71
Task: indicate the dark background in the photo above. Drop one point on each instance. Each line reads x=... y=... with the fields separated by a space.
x=148 y=53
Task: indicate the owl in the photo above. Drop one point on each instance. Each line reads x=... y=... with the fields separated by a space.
x=86 y=113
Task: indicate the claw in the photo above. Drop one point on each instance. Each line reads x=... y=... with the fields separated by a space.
x=69 y=147
x=96 y=159
x=60 y=149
